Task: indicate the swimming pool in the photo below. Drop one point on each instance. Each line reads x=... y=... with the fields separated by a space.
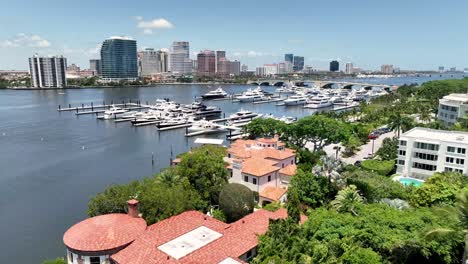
x=409 y=181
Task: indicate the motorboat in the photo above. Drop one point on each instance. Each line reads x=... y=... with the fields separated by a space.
x=113 y=112
x=317 y=102
x=180 y=120
x=206 y=126
x=284 y=90
x=295 y=100
x=218 y=93
x=251 y=95
x=242 y=114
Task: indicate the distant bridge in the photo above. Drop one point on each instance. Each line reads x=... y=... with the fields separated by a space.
x=324 y=84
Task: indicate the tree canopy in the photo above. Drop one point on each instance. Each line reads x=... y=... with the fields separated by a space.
x=236 y=201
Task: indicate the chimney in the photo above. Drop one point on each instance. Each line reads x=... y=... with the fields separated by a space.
x=132 y=208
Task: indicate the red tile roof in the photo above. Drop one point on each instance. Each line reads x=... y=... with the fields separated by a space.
x=289 y=170
x=273 y=193
x=259 y=167
x=104 y=232
x=237 y=238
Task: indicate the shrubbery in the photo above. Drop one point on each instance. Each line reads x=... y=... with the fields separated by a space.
x=382 y=167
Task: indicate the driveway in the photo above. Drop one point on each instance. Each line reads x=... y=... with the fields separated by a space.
x=363 y=152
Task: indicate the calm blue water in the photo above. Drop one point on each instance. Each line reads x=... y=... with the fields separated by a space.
x=410 y=181
x=46 y=178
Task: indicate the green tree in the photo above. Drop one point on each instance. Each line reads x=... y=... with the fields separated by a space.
x=399 y=122
x=265 y=127
x=440 y=188
x=236 y=201
x=293 y=205
x=169 y=177
x=461 y=227
x=375 y=187
x=318 y=130
x=382 y=167
x=219 y=214
x=113 y=199
x=205 y=169
x=312 y=190
x=347 y=199
x=389 y=149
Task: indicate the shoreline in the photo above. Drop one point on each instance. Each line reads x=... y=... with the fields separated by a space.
x=123 y=86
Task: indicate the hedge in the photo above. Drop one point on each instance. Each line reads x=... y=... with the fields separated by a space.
x=382 y=167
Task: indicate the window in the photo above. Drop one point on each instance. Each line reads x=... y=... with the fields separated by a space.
x=70 y=256
x=402 y=142
x=402 y=152
x=292 y=162
x=450 y=149
x=254 y=181
x=269 y=177
x=460 y=161
x=424 y=166
x=461 y=151
x=401 y=162
x=425 y=156
x=459 y=170
x=282 y=165
x=248 y=255
x=246 y=178
x=448 y=169
x=449 y=159
x=95 y=260
x=428 y=146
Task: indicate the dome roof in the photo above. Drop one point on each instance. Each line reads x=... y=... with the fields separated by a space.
x=104 y=232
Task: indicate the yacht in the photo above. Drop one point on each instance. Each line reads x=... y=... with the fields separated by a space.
x=359 y=95
x=284 y=90
x=317 y=102
x=218 y=93
x=113 y=112
x=242 y=114
x=295 y=100
x=206 y=126
x=251 y=95
x=175 y=121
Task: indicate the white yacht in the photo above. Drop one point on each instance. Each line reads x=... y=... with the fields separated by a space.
x=284 y=90
x=251 y=95
x=218 y=93
x=318 y=102
x=296 y=100
x=241 y=114
x=113 y=112
x=206 y=126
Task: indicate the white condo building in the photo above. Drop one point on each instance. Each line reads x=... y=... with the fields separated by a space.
x=349 y=68
x=180 y=62
x=151 y=62
x=452 y=107
x=48 y=72
x=424 y=151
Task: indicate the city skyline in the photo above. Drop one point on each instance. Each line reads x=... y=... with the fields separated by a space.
x=418 y=37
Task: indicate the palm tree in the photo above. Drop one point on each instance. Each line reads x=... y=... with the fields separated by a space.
x=461 y=213
x=347 y=199
x=398 y=122
x=168 y=177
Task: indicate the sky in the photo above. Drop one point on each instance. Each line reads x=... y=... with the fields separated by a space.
x=411 y=34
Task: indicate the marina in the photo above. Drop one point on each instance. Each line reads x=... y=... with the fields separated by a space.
x=96 y=153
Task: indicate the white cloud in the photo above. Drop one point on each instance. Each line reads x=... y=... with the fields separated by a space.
x=25 y=40
x=149 y=25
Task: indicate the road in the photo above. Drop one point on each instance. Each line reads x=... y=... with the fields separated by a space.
x=363 y=152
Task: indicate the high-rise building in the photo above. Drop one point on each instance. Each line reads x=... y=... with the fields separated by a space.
x=244 y=68
x=270 y=69
x=453 y=69
x=298 y=63
x=220 y=54
x=285 y=67
x=234 y=68
x=334 y=66
x=441 y=68
x=163 y=60
x=148 y=62
x=119 y=59
x=289 y=58
x=206 y=63
x=95 y=66
x=349 y=68
x=387 y=69
x=48 y=72
x=260 y=71
x=180 y=62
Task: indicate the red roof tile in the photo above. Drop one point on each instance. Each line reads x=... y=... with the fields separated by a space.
x=104 y=232
x=289 y=170
x=273 y=193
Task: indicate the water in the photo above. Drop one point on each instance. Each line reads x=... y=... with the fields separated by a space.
x=47 y=178
x=410 y=181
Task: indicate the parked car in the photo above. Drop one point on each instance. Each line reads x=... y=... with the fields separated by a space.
x=373 y=136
